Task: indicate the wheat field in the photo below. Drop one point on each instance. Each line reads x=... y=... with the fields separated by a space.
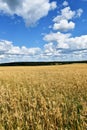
x=43 y=97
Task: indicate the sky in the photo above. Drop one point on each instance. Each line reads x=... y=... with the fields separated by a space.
x=43 y=30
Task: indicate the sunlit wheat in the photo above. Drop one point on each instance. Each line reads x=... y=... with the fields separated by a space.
x=43 y=98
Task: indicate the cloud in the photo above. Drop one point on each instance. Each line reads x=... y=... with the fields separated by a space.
x=79 y=12
x=65 y=3
x=63 y=22
x=10 y=52
x=64 y=46
x=56 y=37
x=64 y=25
x=49 y=49
x=30 y=11
x=59 y=47
x=66 y=41
x=65 y=13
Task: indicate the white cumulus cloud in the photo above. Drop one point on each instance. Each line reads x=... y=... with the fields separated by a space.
x=65 y=13
x=64 y=25
x=79 y=12
x=31 y=11
x=65 y=47
x=65 y=3
x=10 y=52
x=59 y=47
x=63 y=21
x=66 y=41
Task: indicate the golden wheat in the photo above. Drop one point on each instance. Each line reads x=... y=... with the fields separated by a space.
x=43 y=98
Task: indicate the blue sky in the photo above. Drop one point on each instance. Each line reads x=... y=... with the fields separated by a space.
x=43 y=30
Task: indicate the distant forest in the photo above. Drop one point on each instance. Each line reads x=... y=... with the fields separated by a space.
x=40 y=63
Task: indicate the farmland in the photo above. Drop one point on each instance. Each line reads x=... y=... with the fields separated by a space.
x=43 y=97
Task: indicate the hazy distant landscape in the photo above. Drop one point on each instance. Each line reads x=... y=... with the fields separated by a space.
x=41 y=63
